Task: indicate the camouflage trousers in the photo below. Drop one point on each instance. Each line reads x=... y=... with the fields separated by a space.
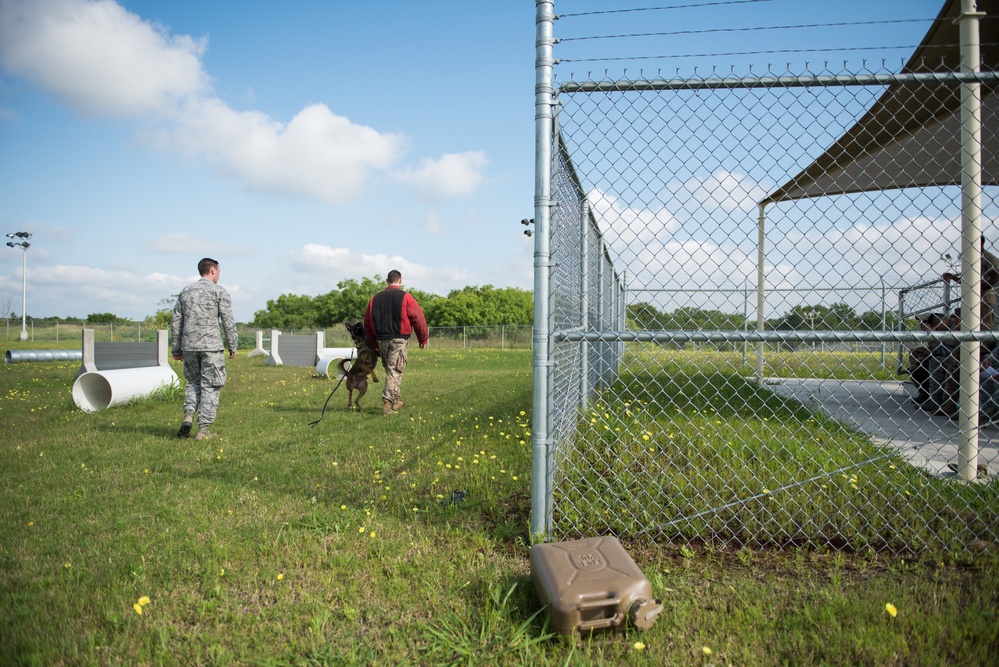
x=205 y=375
x=395 y=355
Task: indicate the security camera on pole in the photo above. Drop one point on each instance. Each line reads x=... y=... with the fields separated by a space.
x=24 y=245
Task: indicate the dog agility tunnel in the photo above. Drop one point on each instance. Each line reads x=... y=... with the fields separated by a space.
x=113 y=373
x=97 y=390
x=331 y=357
x=21 y=356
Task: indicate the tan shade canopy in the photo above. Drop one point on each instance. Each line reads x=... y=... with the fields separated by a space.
x=911 y=137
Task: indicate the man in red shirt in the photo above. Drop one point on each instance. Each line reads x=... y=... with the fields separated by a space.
x=392 y=317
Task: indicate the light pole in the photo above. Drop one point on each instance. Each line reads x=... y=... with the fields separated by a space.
x=24 y=245
x=810 y=314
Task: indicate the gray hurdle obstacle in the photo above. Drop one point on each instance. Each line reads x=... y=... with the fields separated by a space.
x=307 y=351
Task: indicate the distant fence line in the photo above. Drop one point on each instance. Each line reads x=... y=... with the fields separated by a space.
x=72 y=330
x=503 y=336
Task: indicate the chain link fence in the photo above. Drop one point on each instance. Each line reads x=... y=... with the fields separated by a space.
x=61 y=331
x=478 y=336
x=723 y=365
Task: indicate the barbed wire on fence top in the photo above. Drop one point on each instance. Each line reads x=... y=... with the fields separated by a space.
x=752 y=35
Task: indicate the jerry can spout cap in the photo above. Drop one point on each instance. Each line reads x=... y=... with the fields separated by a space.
x=643 y=613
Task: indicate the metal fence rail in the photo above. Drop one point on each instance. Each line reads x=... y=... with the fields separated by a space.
x=708 y=373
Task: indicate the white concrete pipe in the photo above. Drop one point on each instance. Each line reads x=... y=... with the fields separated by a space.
x=331 y=357
x=17 y=356
x=95 y=391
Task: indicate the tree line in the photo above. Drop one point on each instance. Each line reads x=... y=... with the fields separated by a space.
x=836 y=317
x=488 y=305
x=468 y=306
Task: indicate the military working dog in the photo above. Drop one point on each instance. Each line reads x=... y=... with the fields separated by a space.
x=361 y=367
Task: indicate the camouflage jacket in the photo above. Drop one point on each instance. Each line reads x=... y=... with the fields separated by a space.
x=196 y=316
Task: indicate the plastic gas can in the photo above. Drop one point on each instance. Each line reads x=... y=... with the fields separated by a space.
x=592 y=584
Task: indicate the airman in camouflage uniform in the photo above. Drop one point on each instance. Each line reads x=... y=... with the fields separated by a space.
x=197 y=340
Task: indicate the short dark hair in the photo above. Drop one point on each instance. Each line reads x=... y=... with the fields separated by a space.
x=206 y=265
x=393 y=277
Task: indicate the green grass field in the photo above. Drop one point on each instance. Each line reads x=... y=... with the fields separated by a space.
x=281 y=544
x=685 y=448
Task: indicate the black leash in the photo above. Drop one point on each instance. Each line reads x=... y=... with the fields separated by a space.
x=323 y=414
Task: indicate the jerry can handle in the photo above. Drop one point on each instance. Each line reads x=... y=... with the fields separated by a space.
x=599 y=602
x=601 y=622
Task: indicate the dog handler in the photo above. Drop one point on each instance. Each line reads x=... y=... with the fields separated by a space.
x=392 y=317
x=197 y=340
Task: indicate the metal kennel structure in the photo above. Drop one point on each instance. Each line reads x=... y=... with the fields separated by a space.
x=666 y=406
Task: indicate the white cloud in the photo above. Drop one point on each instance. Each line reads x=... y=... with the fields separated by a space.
x=690 y=264
x=901 y=252
x=727 y=190
x=332 y=265
x=98 y=57
x=102 y=59
x=78 y=291
x=186 y=244
x=432 y=224
x=453 y=175
x=87 y=277
x=318 y=153
x=618 y=220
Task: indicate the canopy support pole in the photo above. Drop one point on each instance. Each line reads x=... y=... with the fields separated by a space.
x=760 y=286
x=971 y=240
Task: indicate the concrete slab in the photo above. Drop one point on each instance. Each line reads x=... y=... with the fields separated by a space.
x=886 y=412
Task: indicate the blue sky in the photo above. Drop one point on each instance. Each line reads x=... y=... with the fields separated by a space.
x=306 y=143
